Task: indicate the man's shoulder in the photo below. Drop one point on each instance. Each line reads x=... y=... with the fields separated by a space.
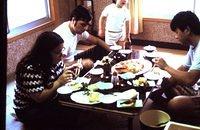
x=62 y=25
x=110 y=6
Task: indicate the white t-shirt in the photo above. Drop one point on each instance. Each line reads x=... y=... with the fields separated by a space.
x=70 y=40
x=116 y=17
x=193 y=58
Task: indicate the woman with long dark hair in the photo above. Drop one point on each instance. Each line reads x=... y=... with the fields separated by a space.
x=38 y=75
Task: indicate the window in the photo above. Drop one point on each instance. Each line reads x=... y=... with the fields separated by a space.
x=25 y=15
x=166 y=9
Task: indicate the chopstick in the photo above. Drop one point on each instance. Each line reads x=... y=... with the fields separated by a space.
x=153 y=68
x=77 y=71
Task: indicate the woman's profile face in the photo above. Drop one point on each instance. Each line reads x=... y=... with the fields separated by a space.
x=57 y=54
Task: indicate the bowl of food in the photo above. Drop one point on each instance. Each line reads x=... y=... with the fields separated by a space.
x=154 y=119
x=149 y=48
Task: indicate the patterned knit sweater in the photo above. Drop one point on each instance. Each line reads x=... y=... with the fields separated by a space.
x=31 y=80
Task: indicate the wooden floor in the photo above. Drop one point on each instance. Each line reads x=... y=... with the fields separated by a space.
x=173 y=58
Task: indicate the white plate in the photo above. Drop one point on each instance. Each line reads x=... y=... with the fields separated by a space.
x=156 y=74
x=64 y=90
x=83 y=80
x=104 y=86
x=96 y=71
x=152 y=76
x=70 y=87
x=127 y=75
x=115 y=47
x=147 y=65
x=108 y=99
x=82 y=98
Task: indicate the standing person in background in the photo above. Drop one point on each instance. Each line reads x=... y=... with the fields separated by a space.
x=182 y=89
x=38 y=75
x=74 y=31
x=117 y=18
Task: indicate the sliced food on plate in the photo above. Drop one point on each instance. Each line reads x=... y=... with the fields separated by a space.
x=136 y=66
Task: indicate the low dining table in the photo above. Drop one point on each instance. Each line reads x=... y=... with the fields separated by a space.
x=123 y=85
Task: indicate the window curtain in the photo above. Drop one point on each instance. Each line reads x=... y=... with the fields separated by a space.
x=136 y=21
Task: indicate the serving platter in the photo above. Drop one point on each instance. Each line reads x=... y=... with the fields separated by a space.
x=136 y=66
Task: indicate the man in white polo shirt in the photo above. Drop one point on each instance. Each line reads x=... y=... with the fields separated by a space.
x=74 y=31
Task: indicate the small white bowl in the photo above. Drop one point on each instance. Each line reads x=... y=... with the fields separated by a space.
x=96 y=71
x=149 y=48
x=115 y=47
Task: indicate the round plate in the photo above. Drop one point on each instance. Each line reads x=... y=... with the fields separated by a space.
x=96 y=71
x=152 y=76
x=156 y=74
x=104 y=86
x=82 y=98
x=123 y=66
x=65 y=90
x=108 y=99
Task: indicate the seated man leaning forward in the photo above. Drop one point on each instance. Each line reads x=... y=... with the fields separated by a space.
x=74 y=31
x=182 y=88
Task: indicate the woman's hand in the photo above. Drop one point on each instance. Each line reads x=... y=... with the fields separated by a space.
x=67 y=76
x=76 y=68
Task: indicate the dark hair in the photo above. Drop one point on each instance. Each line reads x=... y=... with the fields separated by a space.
x=185 y=19
x=40 y=54
x=114 y=1
x=81 y=13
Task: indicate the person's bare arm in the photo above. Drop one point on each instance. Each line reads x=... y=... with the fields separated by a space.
x=98 y=41
x=101 y=32
x=127 y=31
x=182 y=68
x=180 y=75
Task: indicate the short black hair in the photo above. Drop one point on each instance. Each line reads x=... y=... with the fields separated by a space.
x=81 y=13
x=185 y=19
